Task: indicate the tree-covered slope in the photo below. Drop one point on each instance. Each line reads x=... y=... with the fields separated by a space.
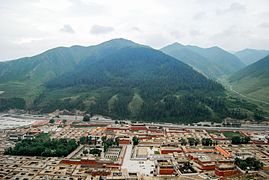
x=118 y=78
x=253 y=80
x=25 y=77
x=140 y=83
x=249 y=56
x=136 y=67
x=161 y=87
x=213 y=62
x=54 y=62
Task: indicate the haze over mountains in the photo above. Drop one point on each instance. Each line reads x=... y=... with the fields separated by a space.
x=123 y=79
x=249 y=56
x=213 y=62
x=246 y=78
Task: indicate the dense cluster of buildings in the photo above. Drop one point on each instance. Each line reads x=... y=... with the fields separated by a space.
x=161 y=151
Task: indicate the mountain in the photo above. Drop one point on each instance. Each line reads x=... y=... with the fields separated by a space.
x=192 y=58
x=137 y=82
x=24 y=77
x=253 y=81
x=56 y=61
x=214 y=62
x=131 y=65
x=118 y=78
x=249 y=56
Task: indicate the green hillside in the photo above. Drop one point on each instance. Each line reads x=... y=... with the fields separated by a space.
x=118 y=78
x=139 y=82
x=192 y=58
x=253 y=81
x=25 y=77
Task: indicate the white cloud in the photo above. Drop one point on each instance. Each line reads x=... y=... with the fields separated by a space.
x=199 y=15
x=177 y=34
x=234 y=8
x=97 y=29
x=136 y=29
x=264 y=25
x=67 y=29
x=31 y=27
x=27 y=40
x=194 y=32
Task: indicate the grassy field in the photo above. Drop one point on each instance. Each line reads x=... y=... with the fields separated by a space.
x=156 y=152
x=253 y=96
x=230 y=134
x=28 y=91
x=253 y=88
x=72 y=94
x=135 y=105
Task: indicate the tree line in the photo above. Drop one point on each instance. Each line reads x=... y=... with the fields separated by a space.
x=43 y=147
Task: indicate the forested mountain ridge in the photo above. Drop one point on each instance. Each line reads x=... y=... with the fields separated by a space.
x=133 y=64
x=213 y=62
x=118 y=78
x=164 y=87
x=54 y=62
x=25 y=77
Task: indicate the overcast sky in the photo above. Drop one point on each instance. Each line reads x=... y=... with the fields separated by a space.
x=29 y=27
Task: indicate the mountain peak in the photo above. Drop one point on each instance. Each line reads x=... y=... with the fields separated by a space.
x=120 y=41
x=215 y=48
x=177 y=44
x=174 y=45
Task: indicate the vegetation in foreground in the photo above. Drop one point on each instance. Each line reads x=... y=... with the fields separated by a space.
x=240 y=140
x=251 y=164
x=231 y=134
x=42 y=145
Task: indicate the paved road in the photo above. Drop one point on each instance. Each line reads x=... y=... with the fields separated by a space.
x=244 y=128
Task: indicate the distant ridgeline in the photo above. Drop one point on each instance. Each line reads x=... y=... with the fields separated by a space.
x=118 y=78
x=213 y=62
